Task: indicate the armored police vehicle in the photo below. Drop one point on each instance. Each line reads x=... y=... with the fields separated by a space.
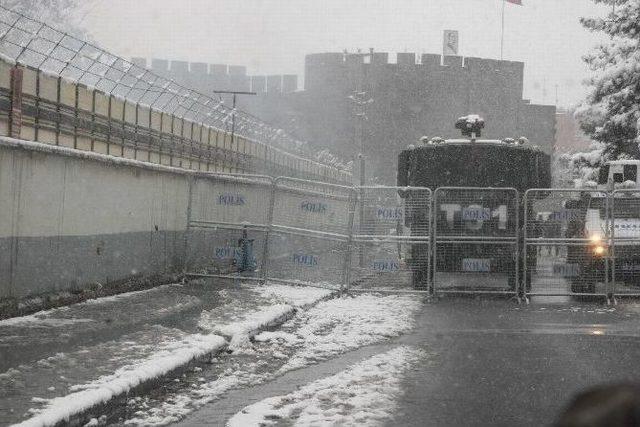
x=597 y=217
x=476 y=163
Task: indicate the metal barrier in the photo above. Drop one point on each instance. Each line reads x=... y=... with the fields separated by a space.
x=625 y=242
x=476 y=240
x=565 y=243
x=310 y=236
x=406 y=239
x=392 y=240
x=226 y=213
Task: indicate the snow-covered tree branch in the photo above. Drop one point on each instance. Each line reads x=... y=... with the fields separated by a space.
x=611 y=112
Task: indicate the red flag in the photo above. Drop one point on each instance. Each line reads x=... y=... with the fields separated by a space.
x=518 y=2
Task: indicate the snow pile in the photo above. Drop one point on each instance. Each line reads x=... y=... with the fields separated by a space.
x=326 y=157
x=278 y=336
x=297 y=296
x=332 y=327
x=179 y=406
x=335 y=326
x=364 y=394
x=628 y=184
x=281 y=301
x=172 y=356
x=241 y=331
x=471 y=119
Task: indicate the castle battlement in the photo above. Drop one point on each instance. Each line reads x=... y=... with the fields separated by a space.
x=324 y=71
x=410 y=59
x=207 y=77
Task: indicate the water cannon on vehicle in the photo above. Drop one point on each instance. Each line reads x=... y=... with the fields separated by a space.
x=471 y=126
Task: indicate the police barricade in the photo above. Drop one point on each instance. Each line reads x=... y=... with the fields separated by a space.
x=391 y=240
x=310 y=230
x=476 y=240
x=625 y=237
x=228 y=220
x=565 y=242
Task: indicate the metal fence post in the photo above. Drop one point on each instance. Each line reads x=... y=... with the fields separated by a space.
x=610 y=262
x=517 y=247
x=185 y=264
x=432 y=245
x=350 y=220
x=266 y=246
x=15 y=113
x=361 y=224
x=434 y=237
x=525 y=252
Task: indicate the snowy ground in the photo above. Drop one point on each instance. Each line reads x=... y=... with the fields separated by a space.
x=322 y=332
x=363 y=394
x=88 y=352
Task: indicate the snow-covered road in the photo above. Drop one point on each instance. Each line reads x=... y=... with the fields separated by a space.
x=363 y=394
x=326 y=330
x=89 y=352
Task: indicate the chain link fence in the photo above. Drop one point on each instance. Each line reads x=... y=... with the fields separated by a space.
x=392 y=240
x=625 y=242
x=79 y=95
x=458 y=240
x=476 y=240
x=228 y=223
x=309 y=241
x=566 y=243
x=35 y=44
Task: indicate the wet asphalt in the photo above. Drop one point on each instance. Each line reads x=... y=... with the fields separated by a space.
x=495 y=363
x=487 y=362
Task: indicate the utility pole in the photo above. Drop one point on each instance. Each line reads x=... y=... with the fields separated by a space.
x=360 y=101
x=233 y=111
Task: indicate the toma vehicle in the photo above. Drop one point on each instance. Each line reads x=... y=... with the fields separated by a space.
x=595 y=214
x=473 y=163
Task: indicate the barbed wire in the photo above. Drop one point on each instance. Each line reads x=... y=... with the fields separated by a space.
x=33 y=43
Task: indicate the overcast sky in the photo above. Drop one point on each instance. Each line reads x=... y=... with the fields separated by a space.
x=272 y=36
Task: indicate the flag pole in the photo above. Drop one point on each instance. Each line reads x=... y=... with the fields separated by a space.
x=502 y=31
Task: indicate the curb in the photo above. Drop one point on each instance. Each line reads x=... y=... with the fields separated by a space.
x=14 y=307
x=110 y=411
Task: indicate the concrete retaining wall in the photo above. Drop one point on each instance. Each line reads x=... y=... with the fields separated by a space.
x=71 y=219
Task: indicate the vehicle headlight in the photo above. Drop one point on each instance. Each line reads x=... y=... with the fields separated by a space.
x=598 y=250
x=595 y=238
